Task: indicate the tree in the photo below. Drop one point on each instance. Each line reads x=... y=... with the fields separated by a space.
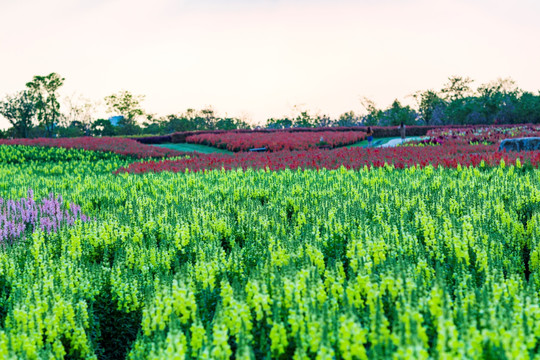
x=323 y=121
x=498 y=99
x=304 y=119
x=229 y=123
x=153 y=125
x=42 y=90
x=174 y=123
x=20 y=111
x=347 y=119
x=430 y=107
x=206 y=119
x=103 y=127
x=499 y=87
x=397 y=114
x=528 y=108
x=457 y=88
x=127 y=105
x=284 y=123
x=79 y=113
x=374 y=115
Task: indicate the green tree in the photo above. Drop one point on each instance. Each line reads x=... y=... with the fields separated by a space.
x=284 y=123
x=528 y=108
x=103 y=127
x=374 y=115
x=497 y=100
x=173 y=123
x=431 y=107
x=229 y=123
x=457 y=88
x=206 y=119
x=323 y=121
x=79 y=114
x=43 y=91
x=304 y=119
x=127 y=105
x=397 y=114
x=154 y=125
x=20 y=111
x=347 y=119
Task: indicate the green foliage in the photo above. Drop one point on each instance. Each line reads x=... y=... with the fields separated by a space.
x=431 y=108
x=115 y=330
x=496 y=102
x=528 y=108
x=397 y=114
x=43 y=91
x=303 y=119
x=20 y=111
x=457 y=87
x=284 y=123
x=20 y=154
x=374 y=115
x=194 y=120
x=74 y=130
x=127 y=105
x=348 y=119
x=103 y=127
x=376 y=263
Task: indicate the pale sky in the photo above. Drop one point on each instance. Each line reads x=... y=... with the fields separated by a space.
x=259 y=58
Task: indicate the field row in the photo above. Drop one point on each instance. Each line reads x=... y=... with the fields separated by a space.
x=446 y=147
x=330 y=264
x=277 y=141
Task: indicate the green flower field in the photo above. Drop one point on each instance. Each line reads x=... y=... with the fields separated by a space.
x=373 y=263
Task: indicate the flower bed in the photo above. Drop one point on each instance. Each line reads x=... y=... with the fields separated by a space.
x=378 y=131
x=368 y=264
x=23 y=216
x=486 y=135
x=355 y=158
x=276 y=141
x=447 y=147
x=120 y=146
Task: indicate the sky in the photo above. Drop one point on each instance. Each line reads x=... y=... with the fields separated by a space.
x=258 y=59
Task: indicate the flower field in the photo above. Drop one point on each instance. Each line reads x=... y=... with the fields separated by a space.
x=276 y=141
x=483 y=135
x=17 y=218
x=433 y=260
x=355 y=158
x=121 y=146
x=445 y=147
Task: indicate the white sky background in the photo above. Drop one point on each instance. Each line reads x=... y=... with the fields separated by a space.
x=259 y=58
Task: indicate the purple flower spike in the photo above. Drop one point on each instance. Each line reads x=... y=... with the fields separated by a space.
x=18 y=218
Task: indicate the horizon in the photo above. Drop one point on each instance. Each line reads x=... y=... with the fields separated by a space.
x=260 y=59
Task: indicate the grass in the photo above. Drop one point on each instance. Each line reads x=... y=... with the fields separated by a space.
x=376 y=142
x=380 y=141
x=193 y=147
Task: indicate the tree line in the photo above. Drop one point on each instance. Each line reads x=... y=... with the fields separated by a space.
x=456 y=103
x=36 y=111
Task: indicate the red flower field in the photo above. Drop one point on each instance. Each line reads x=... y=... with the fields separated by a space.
x=354 y=158
x=446 y=147
x=276 y=141
x=120 y=146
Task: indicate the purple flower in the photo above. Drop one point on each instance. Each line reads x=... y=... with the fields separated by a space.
x=17 y=218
